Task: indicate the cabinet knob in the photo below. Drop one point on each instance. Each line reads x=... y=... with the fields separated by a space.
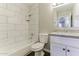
x=68 y=50
x=64 y=49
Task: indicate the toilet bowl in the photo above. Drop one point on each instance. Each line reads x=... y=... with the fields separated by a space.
x=38 y=47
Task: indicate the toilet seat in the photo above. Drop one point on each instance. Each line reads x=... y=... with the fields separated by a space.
x=37 y=46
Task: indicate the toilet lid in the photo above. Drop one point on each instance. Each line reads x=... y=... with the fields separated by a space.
x=38 y=45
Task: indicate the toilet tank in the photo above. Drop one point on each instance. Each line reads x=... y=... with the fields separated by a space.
x=43 y=37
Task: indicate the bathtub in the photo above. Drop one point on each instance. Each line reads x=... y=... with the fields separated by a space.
x=18 y=51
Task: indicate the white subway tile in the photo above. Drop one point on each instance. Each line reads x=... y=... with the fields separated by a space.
x=3 y=5
x=6 y=12
x=18 y=33
x=11 y=40
x=14 y=7
x=2 y=11
x=12 y=20
x=9 y=13
x=20 y=39
x=3 y=35
x=3 y=27
x=20 y=27
x=3 y=19
x=11 y=34
x=11 y=27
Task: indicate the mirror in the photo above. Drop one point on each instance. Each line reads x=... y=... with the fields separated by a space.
x=64 y=16
x=64 y=22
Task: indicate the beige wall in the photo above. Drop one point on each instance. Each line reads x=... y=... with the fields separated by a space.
x=45 y=13
x=45 y=17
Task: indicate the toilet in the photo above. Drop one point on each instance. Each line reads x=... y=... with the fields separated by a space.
x=38 y=47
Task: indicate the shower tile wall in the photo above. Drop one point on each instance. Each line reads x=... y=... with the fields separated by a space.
x=13 y=25
x=34 y=22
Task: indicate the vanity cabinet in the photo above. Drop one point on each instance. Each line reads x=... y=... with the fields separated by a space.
x=73 y=51
x=57 y=50
x=64 y=46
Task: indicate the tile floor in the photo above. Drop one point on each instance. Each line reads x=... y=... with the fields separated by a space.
x=46 y=54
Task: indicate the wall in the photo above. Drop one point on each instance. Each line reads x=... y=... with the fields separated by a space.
x=13 y=25
x=34 y=22
x=76 y=15
x=45 y=22
x=45 y=17
x=40 y=20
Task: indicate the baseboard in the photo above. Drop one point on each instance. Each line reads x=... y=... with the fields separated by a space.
x=46 y=50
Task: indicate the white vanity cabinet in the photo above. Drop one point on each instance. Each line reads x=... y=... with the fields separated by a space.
x=64 y=45
x=57 y=50
x=72 y=51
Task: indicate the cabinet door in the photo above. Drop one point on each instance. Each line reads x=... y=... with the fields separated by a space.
x=57 y=50
x=72 y=51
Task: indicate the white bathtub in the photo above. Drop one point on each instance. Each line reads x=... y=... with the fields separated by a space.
x=18 y=51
